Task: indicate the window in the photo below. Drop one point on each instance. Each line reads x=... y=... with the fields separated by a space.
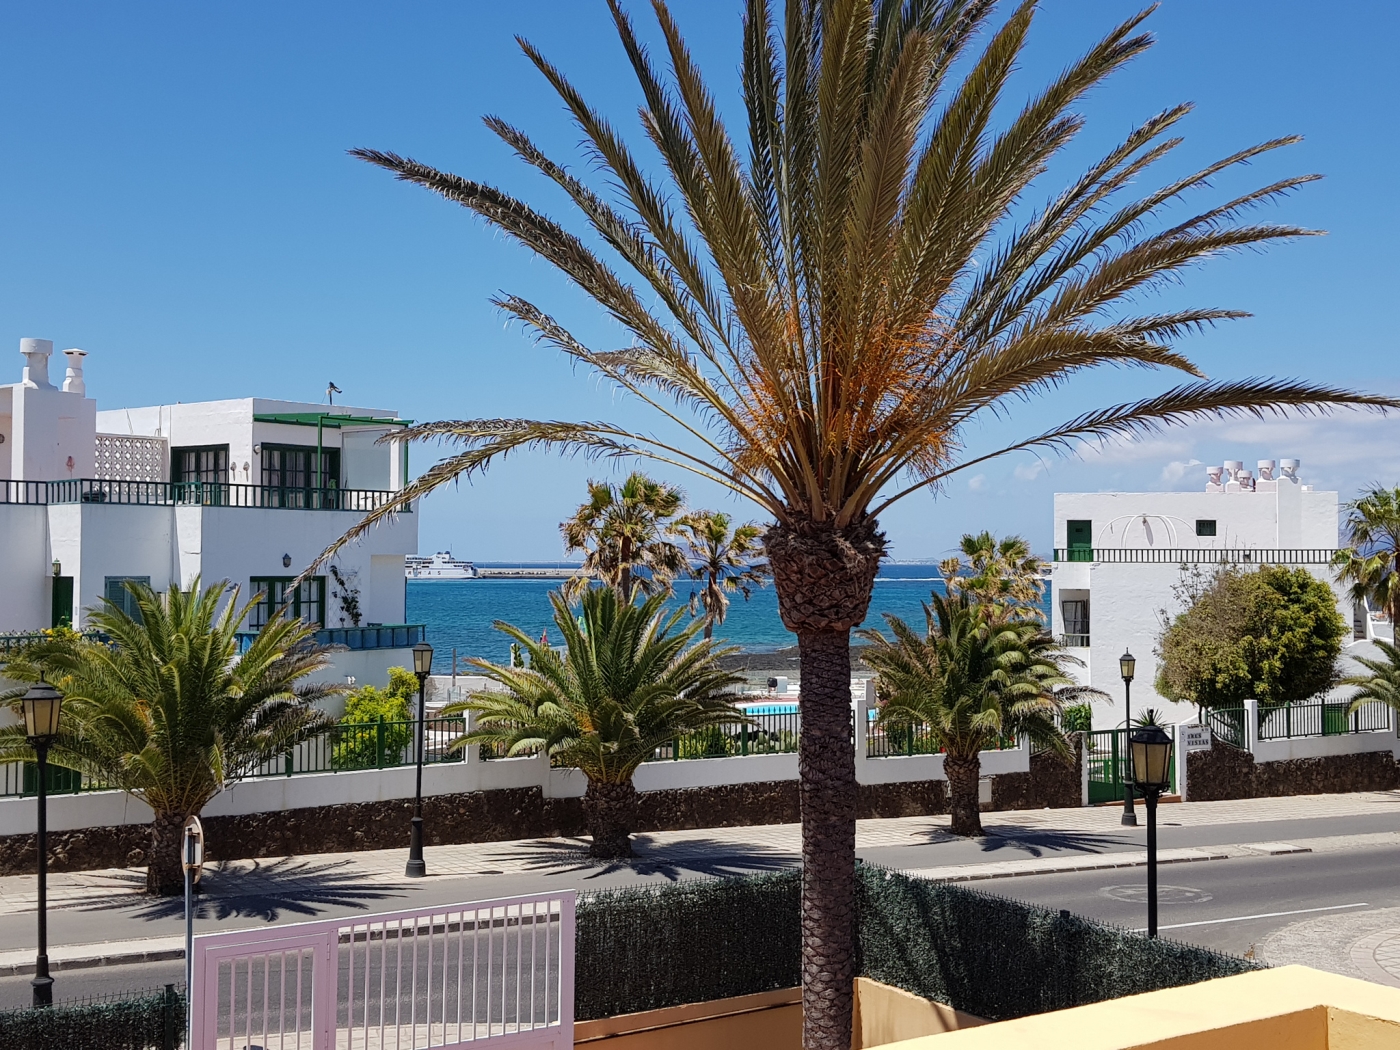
x=1079 y=538
x=307 y=602
x=114 y=588
x=1205 y=526
x=291 y=470
x=206 y=463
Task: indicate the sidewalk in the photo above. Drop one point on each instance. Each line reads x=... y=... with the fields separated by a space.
x=102 y=917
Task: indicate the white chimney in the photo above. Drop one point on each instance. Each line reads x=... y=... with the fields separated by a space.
x=1289 y=467
x=1213 y=482
x=1233 y=468
x=36 y=362
x=73 y=379
x=1246 y=480
x=1266 y=469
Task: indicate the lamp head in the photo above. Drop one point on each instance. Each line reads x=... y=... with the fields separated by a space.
x=41 y=706
x=1127 y=664
x=422 y=659
x=1150 y=754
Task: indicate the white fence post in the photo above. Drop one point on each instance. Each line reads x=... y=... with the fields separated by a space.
x=1251 y=725
x=1179 y=746
x=860 y=711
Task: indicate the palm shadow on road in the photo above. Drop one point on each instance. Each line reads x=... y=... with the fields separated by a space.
x=1037 y=842
x=266 y=890
x=712 y=857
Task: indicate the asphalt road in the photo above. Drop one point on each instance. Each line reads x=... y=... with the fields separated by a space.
x=1348 y=881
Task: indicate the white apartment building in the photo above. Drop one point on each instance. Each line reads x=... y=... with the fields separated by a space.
x=1119 y=555
x=247 y=490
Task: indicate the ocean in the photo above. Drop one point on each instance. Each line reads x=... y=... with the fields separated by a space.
x=459 y=613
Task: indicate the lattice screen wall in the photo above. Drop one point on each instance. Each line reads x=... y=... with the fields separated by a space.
x=131 y=457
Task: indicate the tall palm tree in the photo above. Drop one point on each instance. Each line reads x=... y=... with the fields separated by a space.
x=1002 y=572
x=822 y=314
x=629 y=682
x=1380 y=683
x=170 y=711
x=722 y=560
x=622 y=529
x=972 y=679
x=1372 y=563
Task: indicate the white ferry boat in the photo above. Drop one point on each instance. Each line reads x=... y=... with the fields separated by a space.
x=441 y=566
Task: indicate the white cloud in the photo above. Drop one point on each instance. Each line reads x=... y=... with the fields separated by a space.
x=1029 y=471
x=977 y=482
x=1176 y=470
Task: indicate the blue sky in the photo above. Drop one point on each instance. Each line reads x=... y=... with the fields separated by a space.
x=175 y=198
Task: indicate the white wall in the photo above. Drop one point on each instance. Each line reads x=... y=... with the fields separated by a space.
x=384 y=600
x=24 y=567
x=97 y=540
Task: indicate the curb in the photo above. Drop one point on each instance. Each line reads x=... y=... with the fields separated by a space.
x=160 y=950
x=1102 y=862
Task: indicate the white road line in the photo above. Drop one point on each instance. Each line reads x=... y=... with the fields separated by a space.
x=1262 y=915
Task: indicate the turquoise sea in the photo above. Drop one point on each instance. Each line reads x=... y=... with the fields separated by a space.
x=459 y=613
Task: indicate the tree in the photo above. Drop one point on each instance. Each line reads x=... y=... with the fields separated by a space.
x=629 y=682
x=972 y=679
x=623 y=529
x=1000 y=572
x=1382 y=683
x=1372 y=564
x=360 y=742
x=722 y=560
x=823 y=315
x=1271 y=635
x=170 y=711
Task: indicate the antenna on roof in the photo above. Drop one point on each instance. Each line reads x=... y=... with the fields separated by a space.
x=331 y=391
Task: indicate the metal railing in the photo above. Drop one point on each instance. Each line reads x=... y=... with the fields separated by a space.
x=10 y=641
x=488 y=972
x=1074 y=641
x=888 y=740
x=378 y=636
x=194 y=493
x=1227 y=724
x=1291 y=721
x=771 y=733
x=1196 y=555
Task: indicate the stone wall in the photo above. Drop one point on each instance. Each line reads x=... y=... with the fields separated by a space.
x=1053 y=782
x=1226 y=772
x=517 y=813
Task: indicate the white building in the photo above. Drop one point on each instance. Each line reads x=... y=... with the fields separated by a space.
x=247 y=490
x=1119 y=556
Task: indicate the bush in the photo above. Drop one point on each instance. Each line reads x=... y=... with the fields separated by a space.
x=1272 y=635
x=1078 y=718
x=359 y=740
x=154 y=1021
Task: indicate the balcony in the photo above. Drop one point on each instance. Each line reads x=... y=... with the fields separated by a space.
x=1196 y=555
x=373 y=636
x=1074 y=641
x=193 y=494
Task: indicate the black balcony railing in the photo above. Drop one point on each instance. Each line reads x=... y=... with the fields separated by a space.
x=193 y=493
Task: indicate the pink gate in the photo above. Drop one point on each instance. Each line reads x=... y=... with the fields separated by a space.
x=489 y=973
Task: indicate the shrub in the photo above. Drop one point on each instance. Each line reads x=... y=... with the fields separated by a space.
x=360 y=742
x=1078 y=718
x=1272 y=635
x=148 y=1021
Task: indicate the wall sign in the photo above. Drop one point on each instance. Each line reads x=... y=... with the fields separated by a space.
x=1195 y=738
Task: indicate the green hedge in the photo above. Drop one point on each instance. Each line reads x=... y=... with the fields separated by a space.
x=652 y=947
x=646 y=948
x=153 y=1021
x=999 y=958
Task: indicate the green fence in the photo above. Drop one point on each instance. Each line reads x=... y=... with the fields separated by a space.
x=1303 y=720
x=772 y=733
x=901 y=741
x=1107 y=757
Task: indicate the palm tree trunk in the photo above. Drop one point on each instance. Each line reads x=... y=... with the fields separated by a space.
x=608 y=810
x=963 y=773
x=824 y=579
x=164 y=875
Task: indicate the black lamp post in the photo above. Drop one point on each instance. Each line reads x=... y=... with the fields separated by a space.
x=1150 y=751
x=1127 y=664
x=41 y=707
x=422 y=667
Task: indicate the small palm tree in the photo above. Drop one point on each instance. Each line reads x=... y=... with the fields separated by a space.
x=973 y=679
x=1001 y=572
x=622 y=529
x=1372 y=564
x=629 y=682
x=722 y=560
x=1383 y=681
x=170 y=711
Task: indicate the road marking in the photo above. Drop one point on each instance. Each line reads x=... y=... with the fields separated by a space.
x=1261 y=915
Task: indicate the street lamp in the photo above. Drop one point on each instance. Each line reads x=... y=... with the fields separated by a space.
x=1150 y=752
x=41 y=706
x=1127 y=664
x=422 y=667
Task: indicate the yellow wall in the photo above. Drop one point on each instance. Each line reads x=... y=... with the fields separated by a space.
x=1289 y=1008
x=767 y=1021
x=886 y=1015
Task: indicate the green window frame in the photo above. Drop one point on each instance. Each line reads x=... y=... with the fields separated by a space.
x=114 y=590
x=1079 y=539
x=1205 y=526
x=203 y=463
x=307 y=602
x=289 y=476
